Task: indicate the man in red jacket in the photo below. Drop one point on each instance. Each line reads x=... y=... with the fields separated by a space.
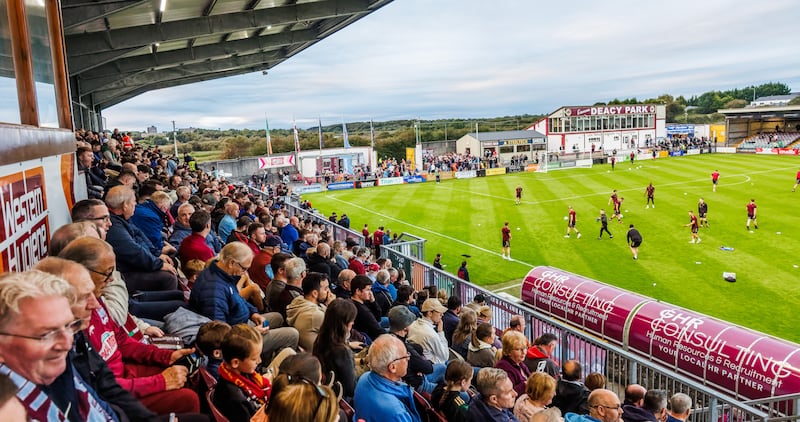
x=539 y=357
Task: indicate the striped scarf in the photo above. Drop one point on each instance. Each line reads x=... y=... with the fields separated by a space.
x=255 y=387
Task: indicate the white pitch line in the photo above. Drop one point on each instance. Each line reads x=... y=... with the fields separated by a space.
x=388 y=217
x=508 y=288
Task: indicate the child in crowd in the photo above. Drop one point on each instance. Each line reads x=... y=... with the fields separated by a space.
x=209 y=343
x=192 y=269
x=241 y=391
x=451 y=399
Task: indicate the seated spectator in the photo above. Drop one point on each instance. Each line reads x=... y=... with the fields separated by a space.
x=241 y=390
x=303 y=365
x=571 y=395
x=680 y=407
x=603 y=406
x=495 y=399
x=368 y=313
x=261 y=271
x=381 y=394
x=93 y=211
x=195 y=246
x=338 y=254
x=342 y=289
x=209 y=343
x=513 y=360
x=450 y=318
x=95 y=178
x=181 y=230
x=517 y=323
x=482 y=352
x=256 y=236
x=634 y=395
x=307 y=312
x=331 y=346
x=357 y=261
x=215 y=295
x=462 y=336
x=654 y=408
x=321 y=262
x=427 y=332
x=32 y=303
x=304 y=242
x=380 y=289
x=540 y=389
x=279 y=299
x=422 y=374
x=278 y=283
x=298 y=399
x=144 y=266
x=182 y=195
x=477 y=302
x=11 y=409
x=228 y=222
x=150 y=217
x=595 y=380
x=239 y=234
x=288 y=229
x=451 y=398
x=539 y=356
x=405 y=297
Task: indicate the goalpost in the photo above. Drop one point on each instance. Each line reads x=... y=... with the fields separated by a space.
x=558 y=161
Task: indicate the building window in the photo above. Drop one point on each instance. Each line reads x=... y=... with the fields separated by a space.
x=9 y=101
x=42 y=63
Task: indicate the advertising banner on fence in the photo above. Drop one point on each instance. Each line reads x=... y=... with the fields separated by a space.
x=24 y=224
x=729 y=357
x=414 y=179
x=366 y=183
x=275 y=162
x=467 y=174
x=532 y=167
x=496 y=171
x=312 y=188
x=340 y=185
x=444 y=175
x=778 y=151
x=676 y=154
x=388 y=181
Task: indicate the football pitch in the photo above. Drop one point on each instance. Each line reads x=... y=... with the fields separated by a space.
x=464 y=217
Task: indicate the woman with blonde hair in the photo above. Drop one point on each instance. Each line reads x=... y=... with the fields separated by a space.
x=297 y=399
x=513 y=360
x=540 y=388
x=462 y=335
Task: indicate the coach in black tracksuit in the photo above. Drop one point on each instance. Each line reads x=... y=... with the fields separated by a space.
x=634 y=240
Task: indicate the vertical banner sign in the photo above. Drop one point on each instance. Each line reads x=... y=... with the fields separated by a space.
x=24 y=224
x=410 y=160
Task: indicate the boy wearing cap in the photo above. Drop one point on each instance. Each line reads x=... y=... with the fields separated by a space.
x=428 y=332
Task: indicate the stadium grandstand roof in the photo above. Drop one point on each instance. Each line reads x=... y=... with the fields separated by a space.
x=760 y=112
x=118 y=49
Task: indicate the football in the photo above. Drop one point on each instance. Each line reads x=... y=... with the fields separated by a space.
x=621 y=216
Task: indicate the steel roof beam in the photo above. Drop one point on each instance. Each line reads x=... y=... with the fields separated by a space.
x=77 y=13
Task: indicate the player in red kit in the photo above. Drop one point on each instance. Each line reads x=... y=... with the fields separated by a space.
x=650 y=192
x=506 y=241
x=714 y=180
x=571 y=220
x=796 y=181
x=695 y=227
x=518 y=194
x=751 y=214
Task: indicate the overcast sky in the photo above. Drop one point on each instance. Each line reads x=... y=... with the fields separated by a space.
x=431 y=59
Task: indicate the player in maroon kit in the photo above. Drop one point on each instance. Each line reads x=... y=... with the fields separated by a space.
x=650 y=193
x=613 y=198
x=714 y=179
x=751 y=214
x=617 y=209
x=796 y=182
x=695 y=227
x=506 y=241
x=571 y=220
x=518 y=194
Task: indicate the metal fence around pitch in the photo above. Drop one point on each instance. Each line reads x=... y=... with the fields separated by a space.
x=338 y=232
x=620 y=367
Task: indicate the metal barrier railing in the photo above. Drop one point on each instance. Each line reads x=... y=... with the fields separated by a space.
x=620 y=367
x=338 y=232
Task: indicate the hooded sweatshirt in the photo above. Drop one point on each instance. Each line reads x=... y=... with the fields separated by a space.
x=479 y=411
x=537 y=361
x=482 y=355
x=378 y=399
x=306 y=317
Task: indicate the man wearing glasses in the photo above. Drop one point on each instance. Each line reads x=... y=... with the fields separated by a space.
x=604 y=406
x=36 y=334
x=381 y=395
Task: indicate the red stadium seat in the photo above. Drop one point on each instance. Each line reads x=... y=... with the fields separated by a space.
x=426 y=412
x=219 y=417
x=348 y=410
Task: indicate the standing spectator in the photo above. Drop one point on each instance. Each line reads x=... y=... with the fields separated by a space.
x=437 y=262
x=540 y=389
x=365 y=233
x=377 y=240
x=381 y=395
x=463 y=273
x=571 y=395
x=539 y=357
x=344 y=221
x=496 y=398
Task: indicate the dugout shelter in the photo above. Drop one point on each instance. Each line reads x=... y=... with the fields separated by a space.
x=762 y=124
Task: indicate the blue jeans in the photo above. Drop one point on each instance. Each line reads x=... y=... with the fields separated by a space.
x=430 y=381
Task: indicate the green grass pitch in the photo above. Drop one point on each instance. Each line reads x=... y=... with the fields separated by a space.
x=465 y=217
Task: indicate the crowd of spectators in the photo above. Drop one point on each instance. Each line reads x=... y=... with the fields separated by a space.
x=169 y=267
